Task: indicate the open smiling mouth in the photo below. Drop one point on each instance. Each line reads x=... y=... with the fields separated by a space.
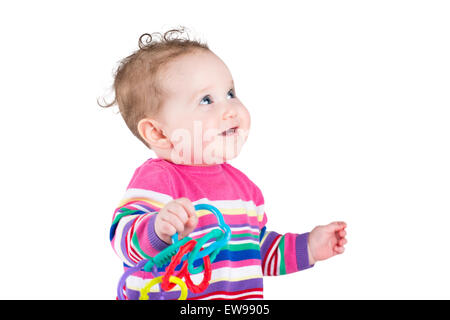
x=229 y=132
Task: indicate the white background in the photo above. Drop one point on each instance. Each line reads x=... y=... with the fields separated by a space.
x=350 y=107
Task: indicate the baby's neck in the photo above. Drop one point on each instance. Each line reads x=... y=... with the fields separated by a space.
x=190 y=164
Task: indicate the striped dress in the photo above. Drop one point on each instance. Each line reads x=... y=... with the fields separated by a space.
x=251 y=253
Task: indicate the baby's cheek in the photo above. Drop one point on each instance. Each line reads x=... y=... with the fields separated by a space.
x=245 y=118
x=213 y=150
x=231 y=147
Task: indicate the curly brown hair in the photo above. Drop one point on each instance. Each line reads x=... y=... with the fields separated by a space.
x=137 y=88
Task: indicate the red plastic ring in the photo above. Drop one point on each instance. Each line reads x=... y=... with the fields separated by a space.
x=165 y=284
x=206 y=277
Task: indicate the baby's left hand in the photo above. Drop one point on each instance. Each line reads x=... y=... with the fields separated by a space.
x=326 y=241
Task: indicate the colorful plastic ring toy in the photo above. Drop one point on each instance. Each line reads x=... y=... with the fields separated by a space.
x=206 y=278
x=219 y=217
x=216 y=246
x=166 y=285
x=195 y=254
x=225 y=228
x=126 y=274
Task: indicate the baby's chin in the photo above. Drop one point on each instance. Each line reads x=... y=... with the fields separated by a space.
x=223 y=151
x=216 y=151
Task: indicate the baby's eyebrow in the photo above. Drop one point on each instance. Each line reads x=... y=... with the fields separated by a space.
x=206 y=89
x=203 y=90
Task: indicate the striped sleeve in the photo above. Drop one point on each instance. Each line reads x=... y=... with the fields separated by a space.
x=283 y=254
x=132 y=232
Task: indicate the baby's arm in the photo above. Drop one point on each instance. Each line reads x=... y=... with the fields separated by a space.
x=283 y=254
x=291 y=252
x=132 y=232
x=133 y=235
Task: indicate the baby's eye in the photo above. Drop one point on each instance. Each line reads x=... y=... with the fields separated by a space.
x=207 y=99
x=231 y=93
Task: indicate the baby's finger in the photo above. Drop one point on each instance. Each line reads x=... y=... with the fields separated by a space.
x=174 y=221
x=336 y=226
x=339 y=249
x=178 y=210
x=342 y=233
x=341 y=225
x=167 y=228
x=192 y=222
x=188 y=207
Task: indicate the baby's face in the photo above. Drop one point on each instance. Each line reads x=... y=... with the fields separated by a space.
x=201 y=115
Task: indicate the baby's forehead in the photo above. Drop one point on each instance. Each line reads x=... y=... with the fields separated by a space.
x=193 y=72
x=191 y=64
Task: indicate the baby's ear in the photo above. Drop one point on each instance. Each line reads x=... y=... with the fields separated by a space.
x=150 y=130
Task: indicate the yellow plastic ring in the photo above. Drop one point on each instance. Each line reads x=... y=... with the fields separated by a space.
x=145 y=290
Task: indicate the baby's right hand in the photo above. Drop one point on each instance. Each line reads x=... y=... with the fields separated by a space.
x=176 y=216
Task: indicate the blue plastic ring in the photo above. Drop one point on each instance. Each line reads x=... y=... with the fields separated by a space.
x=225 y=228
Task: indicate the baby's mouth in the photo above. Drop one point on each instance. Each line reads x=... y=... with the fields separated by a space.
x=229 y=132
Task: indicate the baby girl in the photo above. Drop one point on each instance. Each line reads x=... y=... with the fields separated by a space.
x=179 y=99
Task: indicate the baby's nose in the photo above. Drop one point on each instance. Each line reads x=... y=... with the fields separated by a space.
x=229 y=113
